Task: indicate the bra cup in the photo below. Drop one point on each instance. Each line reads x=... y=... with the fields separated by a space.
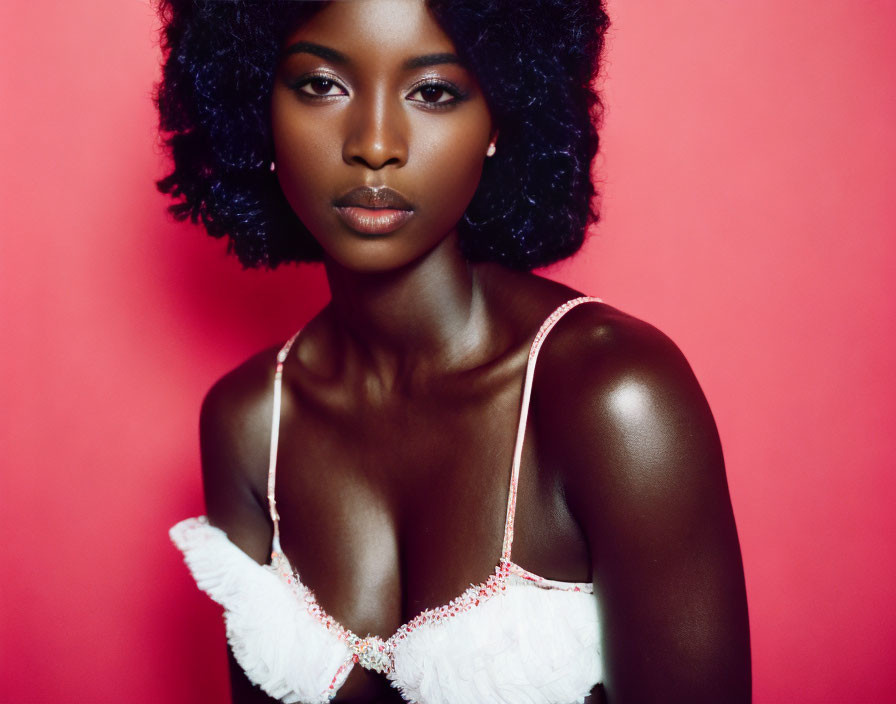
x=524 y=645
x=279 y=645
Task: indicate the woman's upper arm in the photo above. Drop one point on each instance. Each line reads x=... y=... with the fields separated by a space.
x=644 y=476
x=234 y=437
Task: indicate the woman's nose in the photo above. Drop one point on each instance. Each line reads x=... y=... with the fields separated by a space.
x=377 y=133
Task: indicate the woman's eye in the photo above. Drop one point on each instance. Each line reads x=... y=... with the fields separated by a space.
x=433 y=94
x=318 y=87
x=437 y=94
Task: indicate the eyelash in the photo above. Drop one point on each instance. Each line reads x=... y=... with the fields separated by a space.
x=457 y=94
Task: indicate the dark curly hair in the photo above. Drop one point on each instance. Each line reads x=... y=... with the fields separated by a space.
x=536 y=61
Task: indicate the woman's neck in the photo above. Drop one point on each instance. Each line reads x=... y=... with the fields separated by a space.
x=422 y=319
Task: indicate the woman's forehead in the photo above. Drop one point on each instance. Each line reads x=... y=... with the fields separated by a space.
x=363 y=30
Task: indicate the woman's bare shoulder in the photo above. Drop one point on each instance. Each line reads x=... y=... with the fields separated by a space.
x=237 y=408
x=234 y=439
x=606 y=342
x=623 y=398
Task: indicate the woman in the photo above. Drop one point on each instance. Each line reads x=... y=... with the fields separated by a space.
x=399 y=507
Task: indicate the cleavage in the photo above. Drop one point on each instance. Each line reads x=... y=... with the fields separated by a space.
x=385 y=518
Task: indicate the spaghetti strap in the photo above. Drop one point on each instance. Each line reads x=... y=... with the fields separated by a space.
x=542 y=333
x=275 y=436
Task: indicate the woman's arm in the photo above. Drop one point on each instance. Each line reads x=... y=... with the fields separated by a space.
x=234 y=434
x=642 y=467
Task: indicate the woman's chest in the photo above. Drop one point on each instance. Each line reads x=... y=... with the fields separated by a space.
x=392 y=509
x=386 y=514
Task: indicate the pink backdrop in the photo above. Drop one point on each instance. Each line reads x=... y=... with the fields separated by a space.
x=748 y=166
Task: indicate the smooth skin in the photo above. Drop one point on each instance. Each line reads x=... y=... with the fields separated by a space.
x=401 y=398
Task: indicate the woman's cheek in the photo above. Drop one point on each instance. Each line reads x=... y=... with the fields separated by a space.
x=450 y=166
x=302 y=172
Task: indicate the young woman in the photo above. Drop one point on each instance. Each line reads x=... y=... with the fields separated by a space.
x=459 y=482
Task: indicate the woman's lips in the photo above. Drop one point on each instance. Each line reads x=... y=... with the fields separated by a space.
x=373 y=221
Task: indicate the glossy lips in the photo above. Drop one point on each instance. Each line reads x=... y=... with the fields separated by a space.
x=374 y=211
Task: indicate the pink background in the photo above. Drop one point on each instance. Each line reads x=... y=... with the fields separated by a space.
x=748 y=170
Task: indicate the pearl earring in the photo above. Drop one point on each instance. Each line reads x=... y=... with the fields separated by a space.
x=273 y=166
x=491 y=150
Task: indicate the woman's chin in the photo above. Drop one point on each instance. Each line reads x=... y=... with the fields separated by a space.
x=390 y=252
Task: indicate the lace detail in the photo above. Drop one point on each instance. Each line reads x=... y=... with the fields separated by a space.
x=374 y=653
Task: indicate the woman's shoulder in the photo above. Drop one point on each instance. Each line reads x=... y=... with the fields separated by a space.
x=603 y=342
x=236 y=412
x=594 y=331
x=615 y=392
x=241 y=398
x=234 y=440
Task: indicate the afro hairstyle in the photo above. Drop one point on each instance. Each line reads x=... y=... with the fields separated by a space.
x=536 y=60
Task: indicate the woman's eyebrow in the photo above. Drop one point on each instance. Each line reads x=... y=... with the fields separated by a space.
x=431 y=60
x=337 y=57
x=324 y=52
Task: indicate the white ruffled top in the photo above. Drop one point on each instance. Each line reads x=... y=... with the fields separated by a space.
x=516 y=638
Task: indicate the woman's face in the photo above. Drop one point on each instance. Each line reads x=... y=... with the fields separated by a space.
x=369 y=94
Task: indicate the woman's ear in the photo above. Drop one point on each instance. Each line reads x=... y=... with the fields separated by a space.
x=492 y=144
